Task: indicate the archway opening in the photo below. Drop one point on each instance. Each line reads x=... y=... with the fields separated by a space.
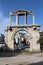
x=21 y=40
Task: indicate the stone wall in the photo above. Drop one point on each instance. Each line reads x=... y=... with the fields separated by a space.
x=33 y=30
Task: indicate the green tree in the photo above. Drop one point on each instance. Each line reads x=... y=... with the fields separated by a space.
x=41 y=40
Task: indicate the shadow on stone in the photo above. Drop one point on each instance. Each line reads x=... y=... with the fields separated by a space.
x=38 y=63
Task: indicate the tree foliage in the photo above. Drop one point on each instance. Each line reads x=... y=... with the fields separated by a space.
x=41 y=38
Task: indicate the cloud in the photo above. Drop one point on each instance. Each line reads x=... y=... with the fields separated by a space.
x=4 y=21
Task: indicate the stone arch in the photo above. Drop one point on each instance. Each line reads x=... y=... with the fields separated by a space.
x=15 y=31
x=25 y=29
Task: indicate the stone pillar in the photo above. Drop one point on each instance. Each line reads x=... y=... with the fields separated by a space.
x=25 y=19
x=33 y=19
x=17 y=19
x=10 y=20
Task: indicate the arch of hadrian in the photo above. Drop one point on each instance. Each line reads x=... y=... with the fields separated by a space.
x=32 y=29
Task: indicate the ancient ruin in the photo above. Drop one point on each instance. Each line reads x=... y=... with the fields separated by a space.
x=33 y=31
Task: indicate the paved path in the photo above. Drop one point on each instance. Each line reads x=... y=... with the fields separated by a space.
x=23 y=59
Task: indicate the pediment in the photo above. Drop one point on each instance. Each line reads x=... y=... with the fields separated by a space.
x=21 y=10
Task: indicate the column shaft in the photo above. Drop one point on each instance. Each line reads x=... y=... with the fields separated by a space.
x=10 y=20
x=33 y=19
x=25 y=19
x=17 y=20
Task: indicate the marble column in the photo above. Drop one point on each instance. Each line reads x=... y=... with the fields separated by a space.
x=25 y=19
x=10 y=20
x=33 y=19
x=17 y=19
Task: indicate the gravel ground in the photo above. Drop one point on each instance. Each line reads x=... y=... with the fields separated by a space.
x=21 y=59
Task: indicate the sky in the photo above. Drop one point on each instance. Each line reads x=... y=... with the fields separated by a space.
x=7 y=6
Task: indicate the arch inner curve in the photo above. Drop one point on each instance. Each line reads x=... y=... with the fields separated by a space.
x=21 y=39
